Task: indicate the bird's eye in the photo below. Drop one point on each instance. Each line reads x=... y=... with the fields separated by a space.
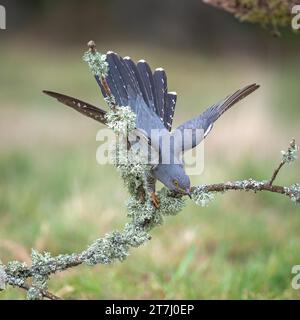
x=175 y=182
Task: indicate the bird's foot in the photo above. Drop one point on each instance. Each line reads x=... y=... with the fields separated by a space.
x=154 y=200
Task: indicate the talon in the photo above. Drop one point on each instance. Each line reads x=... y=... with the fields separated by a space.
x=154 y=200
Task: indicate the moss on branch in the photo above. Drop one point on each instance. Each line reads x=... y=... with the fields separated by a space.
x=273 y=14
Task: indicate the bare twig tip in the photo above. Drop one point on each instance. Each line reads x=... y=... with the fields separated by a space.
x=293 y=143
x=92 y=45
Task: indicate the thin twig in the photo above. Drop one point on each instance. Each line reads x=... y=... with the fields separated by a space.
x=292 y=148
x=44 y=293
x=276 y=172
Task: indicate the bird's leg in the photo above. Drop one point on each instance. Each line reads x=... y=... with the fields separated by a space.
x=150 y=187
x=154 y=199
x=141 y=193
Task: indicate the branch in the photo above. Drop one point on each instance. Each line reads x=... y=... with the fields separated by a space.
x=287 y=157
x=275 y=173
x=143 y=216
x=247 y=185
x=275 y=14
x=43 y=293
x=203 y=194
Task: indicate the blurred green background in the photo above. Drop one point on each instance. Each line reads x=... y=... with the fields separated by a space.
x=54 y=196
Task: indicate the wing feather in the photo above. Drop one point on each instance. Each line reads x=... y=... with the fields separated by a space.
x=83 y=107
x=206 y=120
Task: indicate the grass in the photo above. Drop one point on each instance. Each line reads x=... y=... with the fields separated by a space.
x=54 y=197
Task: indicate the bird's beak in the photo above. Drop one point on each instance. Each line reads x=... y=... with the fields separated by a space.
x=188 y=192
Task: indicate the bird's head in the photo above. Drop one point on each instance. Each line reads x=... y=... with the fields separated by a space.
x=173 y=177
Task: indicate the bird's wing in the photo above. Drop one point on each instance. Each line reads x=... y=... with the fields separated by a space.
x=201 y=125
x=83 y=107
x=138 y=140
x=133 y=85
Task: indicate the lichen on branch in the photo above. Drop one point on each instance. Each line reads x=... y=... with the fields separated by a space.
x=121 y=120
x=116 y=245
x=274 y=14
x=96 y=60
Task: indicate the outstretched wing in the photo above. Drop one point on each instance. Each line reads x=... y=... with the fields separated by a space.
x=137 y=138
x=201 y=125
x=83 y=107
x=135 y=85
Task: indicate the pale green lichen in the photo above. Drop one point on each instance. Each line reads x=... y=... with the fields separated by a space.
x=105 y=250
x=169 y=203
x=274 y=13
x=16 y=273
x=249 y=184
x=16 y=281
x=291 y=154
x=96 y=62
x=16 y=268
x=121 y=120
x=271 y=14
x=135 y=234
x=293 y=192
x=130 y=166
x=34 y=293
x=128 y=162
x=41 y=263
x=115 y=245
x=111 y=101
x=143 y=213
x=3 y=277
x=201 y=197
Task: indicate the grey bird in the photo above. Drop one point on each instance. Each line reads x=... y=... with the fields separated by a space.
x=146 y=92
